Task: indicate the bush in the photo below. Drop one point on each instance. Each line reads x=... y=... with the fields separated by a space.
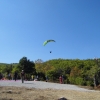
x=71 y=80
x=79 y=81
x=90 y=83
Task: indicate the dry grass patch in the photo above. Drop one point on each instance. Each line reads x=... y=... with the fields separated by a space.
x=17 y=93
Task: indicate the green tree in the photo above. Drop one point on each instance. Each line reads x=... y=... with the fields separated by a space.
x=27 y=65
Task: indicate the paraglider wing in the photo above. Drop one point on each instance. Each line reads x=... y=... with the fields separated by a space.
x=47 y=41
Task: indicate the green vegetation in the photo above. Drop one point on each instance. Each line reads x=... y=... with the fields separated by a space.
x=75 y=71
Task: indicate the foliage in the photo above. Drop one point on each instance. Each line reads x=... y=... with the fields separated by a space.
x=75 y=71
x=27 y=65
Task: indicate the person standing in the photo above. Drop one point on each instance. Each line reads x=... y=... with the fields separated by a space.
x=46 y=78
x=15 y=76
x=62 y=79
x=37 y=78
x=0 y=76
x=22 y=76
x=9 y=76
x=32 y=77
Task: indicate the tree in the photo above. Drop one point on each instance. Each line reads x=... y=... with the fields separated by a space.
x=39 y=61
x=27 y=65
x=39 y=65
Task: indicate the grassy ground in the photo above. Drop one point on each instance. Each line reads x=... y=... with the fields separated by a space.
x=16 y=93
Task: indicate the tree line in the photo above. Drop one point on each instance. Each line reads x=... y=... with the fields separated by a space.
x=24 y=64
x=75 y=71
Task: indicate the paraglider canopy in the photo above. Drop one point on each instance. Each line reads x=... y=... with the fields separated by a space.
x=47 y=41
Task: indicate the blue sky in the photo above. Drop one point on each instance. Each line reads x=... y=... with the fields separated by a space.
x=26 y=24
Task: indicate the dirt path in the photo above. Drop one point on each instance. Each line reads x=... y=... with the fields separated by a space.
x=42 y=85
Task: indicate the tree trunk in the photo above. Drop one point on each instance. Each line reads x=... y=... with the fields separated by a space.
x=94 y=81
